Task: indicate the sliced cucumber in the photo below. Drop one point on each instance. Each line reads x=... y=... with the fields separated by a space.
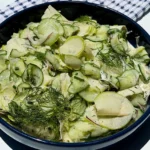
x=47 y=78
x=6 y=96
x=51 y=11
x=91 y=92
x=131 y=91
x=134 y=51
x=31 y=59
x=4 y=79
x=115 y=123
x=3 y=65
x=138 y=113
x=65 y=82
x=87 y=53
x=18 y=66
x=51 y=39
x=91 y=69
x=96 y=38
x=145 y=71
x=24 y=33
x=119 y=45
x=32 y=25
x=48 y=26
x=138 y=100
x=56 y=83
x=16 y=54
x=108 y=104
x=33 y=75
x=84 y=29
x=70 y=30
x=112 y=104
x=56 y=62
x=78 y=82
x=17 y=44
x=23 y=87
x=128 y=79
x=73 y=62
x=93 y=45
x=3 y=52
x=73 y=46
x=91 y=115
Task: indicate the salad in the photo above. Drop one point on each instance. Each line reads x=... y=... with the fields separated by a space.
x=72 y=81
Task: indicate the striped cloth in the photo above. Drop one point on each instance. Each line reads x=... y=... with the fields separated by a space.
x=134 y=9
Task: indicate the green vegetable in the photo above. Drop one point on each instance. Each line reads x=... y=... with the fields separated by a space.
x=78 y=82
x=33 y=75
x=78 y=107
x=73 y=46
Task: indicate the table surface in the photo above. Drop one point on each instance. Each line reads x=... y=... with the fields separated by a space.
x=138 y=140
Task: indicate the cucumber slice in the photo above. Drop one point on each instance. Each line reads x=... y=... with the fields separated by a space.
x=16 y=54
x=115 y=123
x=138 y=114
x=93 y=45
x=51 y=39
x=70 y=30
x=17 y=44
x=64 y=84
x=144 y=71
x=24 y=33
x=3 y=64
x=91 y=115
x=6 y=96
x=33 y=60
x=128 y=79
x=56 y=83
x=73 y=46
x=51 y=11
x=97 y=38
x=23 y=87
x=18 y=66
x=108 y=104
x=91 y=92
x=32 y=25
x=84 y=29
x=48 y=26
x=134 y=51
x=112 y=104
x=73 y=62
x=56 y=61
x=3 y=52
x=47 y=78
x=78 y=82
x=33 y=75
x=4 y=79
x=119 y=45
x=138 y=100
x=131 y=91
x=90 y=69
x=87 y=53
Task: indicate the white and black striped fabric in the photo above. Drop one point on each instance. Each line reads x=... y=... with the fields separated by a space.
x=134 y=9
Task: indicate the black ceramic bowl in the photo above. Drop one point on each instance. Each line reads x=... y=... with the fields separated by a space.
x=72 y=10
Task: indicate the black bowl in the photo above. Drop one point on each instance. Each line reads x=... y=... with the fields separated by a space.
x=72 y=10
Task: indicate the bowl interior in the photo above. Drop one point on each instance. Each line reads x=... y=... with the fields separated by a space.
x=72 y=10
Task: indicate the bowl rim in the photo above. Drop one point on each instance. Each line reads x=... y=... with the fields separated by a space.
x=96 y=141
